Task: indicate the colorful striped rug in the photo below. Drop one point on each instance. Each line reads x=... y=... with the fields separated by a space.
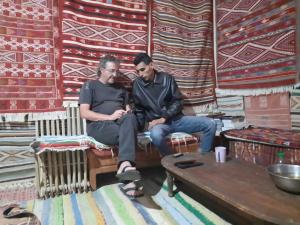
x=231 y=105
x=108 y=205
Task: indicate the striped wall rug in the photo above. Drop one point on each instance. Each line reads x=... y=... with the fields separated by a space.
x=108 y=205
x=295 y=109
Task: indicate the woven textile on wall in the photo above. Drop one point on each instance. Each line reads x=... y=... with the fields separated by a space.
x=16 y=157
x=295 y=109
x=29 y=74
x=256 y=46
x=268 y=110
x=231 y=105
x=182 y=39
x=93 y=29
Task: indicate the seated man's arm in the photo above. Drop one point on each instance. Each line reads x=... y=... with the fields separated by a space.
x=174 y=107
x=176 y=104
x=140 y=116
x=88 y=114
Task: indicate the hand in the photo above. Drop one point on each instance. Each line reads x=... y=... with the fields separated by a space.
x=117 y=114
x=156 y=122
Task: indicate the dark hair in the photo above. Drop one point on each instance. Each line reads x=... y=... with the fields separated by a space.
x=104 y=60
x=142 y=57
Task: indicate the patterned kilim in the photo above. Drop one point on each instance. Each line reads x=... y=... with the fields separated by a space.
x=266 y=135
x=268 y=110
x=295 y=109
x=29 y=77
x=231 y=105
x=16 y=157
x=18 y=191
x=108 y=205
x=261 y=144
x=183 y=46
x=256 y=46
x=92 y=29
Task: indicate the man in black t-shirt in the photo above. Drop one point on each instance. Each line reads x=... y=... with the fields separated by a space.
x=105 y=106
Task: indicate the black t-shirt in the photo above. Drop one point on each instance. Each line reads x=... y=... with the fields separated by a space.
x=103 y=98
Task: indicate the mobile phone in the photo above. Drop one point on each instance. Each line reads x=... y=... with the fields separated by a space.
x=188 y=164
x=176 y=155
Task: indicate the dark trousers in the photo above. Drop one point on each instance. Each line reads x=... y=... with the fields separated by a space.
x=122 y=132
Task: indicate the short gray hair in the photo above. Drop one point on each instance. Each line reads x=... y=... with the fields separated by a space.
x=104 y=60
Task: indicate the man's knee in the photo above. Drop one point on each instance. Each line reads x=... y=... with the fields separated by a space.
x=212 y=126
x=156 y=135
x=130 y=118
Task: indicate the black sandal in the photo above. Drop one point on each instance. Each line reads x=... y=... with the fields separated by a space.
x=14 y=211
x=126 y=191
x=128 y=175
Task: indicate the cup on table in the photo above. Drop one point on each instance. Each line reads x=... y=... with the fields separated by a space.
x=220 y=153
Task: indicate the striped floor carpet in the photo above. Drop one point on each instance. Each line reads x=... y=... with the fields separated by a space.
x=108 y=205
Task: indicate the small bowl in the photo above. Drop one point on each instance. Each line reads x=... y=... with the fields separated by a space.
x=286 y=177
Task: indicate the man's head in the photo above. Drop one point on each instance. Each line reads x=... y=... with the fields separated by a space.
x=144 y=66
x=108 y=69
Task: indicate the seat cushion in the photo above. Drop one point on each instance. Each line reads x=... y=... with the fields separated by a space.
x=144 y=143
x=65 y=143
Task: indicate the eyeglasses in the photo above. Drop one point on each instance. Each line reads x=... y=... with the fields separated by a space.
x=117 y=72
x=140 y=70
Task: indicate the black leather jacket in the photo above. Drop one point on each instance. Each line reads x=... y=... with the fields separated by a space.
x=158 y=98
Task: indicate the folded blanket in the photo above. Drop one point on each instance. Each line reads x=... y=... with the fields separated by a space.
x=59 y=143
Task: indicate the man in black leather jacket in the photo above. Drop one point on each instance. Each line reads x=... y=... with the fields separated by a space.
x=159 y=103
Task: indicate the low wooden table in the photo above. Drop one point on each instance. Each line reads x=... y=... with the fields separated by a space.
x=245 y=187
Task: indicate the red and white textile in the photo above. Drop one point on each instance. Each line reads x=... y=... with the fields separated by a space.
x=30 y=79
x=268 y=110
x=92 y=29
x=256 y=42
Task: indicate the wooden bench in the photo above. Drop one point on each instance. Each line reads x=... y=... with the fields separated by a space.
x=75 y=171
x=146 y=156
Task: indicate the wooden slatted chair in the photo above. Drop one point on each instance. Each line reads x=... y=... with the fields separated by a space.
x=64 y=171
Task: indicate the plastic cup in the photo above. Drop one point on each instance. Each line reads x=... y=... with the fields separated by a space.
x=220 y=153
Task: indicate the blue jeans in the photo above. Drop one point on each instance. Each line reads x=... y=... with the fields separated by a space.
x=187 y=124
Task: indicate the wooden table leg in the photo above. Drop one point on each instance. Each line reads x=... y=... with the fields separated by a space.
x=170 y=182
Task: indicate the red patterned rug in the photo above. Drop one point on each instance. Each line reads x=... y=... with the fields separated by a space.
x=16 y=192
x=29 y=75
x=256 y=46
x=183 y=46
x=13 y=192
x=268 y=110
x=92 y=29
